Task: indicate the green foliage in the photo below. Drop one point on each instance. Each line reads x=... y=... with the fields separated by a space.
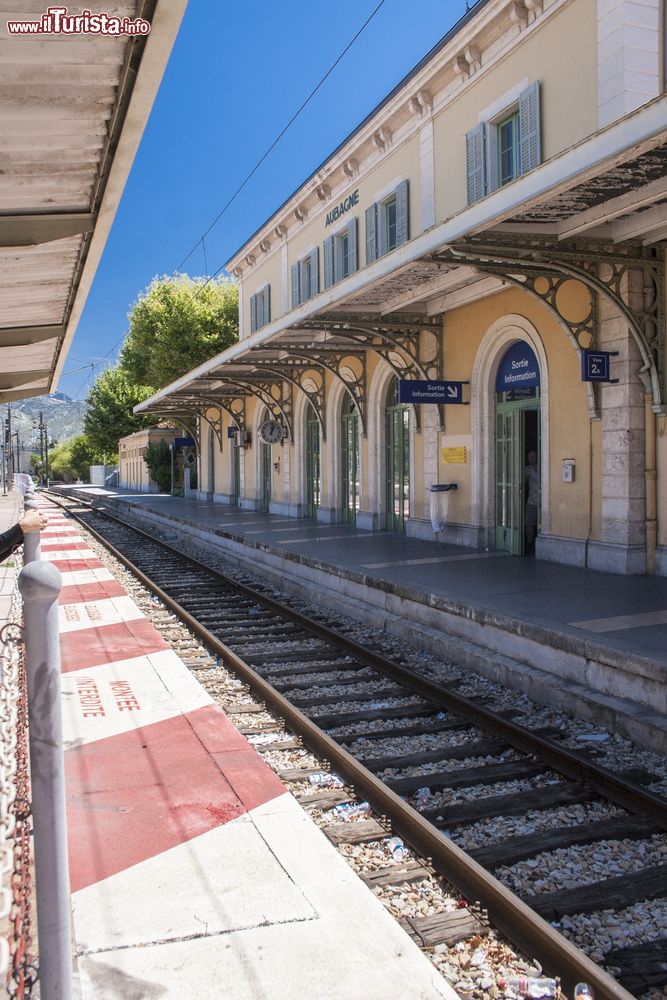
x=35 y=463
x=60 y=463
x=109 y=416
x=83 y=454
x=177 y=324
x=71 y=460
x=158 y=461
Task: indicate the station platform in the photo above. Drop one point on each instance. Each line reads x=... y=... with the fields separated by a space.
x=587 y=641
x=194 y=873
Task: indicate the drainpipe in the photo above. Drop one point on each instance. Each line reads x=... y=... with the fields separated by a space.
x=650 y=485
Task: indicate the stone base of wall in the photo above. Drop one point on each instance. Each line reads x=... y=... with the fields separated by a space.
x=327 y=515
x=661 y=560
x=613 y=558
x=226 y=498
x=559 y=549
x=366 y=520
x=285 y=509
x=249 y=503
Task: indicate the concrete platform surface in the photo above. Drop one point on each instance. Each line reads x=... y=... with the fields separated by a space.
x=194 y=873
x=522 y=621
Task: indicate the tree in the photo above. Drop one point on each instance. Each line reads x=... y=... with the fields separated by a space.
x=83 y=454
x=109 y=416
x=177 y=324
x=158 y=461
x=60 y=463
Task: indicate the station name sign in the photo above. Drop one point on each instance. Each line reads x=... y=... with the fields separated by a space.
x=345 y=205
x=437 y=391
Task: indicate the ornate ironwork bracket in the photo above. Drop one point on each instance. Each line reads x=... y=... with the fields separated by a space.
x=542 y=267
x=304 y=375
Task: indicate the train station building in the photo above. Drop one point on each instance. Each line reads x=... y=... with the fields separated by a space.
x=468 y=292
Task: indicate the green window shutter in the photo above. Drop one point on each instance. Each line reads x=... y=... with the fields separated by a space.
x=253 y=313
x=329 y=262
x=314 y=272
x=295 y=286
x=352 y=246
x=338 y=258
x=476 y=162
x=529 y=127
x=402 y=214
x=266 y=295
x=371 y=234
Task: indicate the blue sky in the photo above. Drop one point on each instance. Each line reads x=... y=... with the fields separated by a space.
x=237 y=74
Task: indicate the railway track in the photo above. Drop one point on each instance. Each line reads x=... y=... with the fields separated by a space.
x=369 y=717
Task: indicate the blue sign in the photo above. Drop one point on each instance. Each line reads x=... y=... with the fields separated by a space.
x=595 y=366
x=518 y=369
x=231 y=432
x=186 y=442
x=437 y=391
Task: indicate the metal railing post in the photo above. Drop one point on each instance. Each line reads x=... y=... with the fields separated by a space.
x=39 y=584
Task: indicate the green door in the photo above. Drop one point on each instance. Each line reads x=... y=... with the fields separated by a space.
x=211 y=462
x=236 y=473
x=398 y=460
x=312 y=463
x=350 y=459
x=517 y=432
x=265 y=476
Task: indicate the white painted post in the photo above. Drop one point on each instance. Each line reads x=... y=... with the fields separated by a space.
x=39 y=584
x=32 y=540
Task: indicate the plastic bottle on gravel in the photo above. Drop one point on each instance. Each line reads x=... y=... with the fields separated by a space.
x=582 y=991
x=397 y=848
x=533 y=986
x=326 y=780
x=351 y=810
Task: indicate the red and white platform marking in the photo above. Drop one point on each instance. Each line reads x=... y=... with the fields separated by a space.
x=193 y=871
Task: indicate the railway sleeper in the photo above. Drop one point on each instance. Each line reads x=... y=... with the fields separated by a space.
x=610 y=894
x=333 y=721
x=487 y=774
x=370 y=696
x=510 y=804
x=641 y=967
x=514 y=849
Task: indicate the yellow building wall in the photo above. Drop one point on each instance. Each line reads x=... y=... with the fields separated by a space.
x=562 y=55
x=269 y=272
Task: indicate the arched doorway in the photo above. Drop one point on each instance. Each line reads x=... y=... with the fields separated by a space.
x=211 y=462
x=264 y=470
x=349 y=436
x=235 y=458
x=312 y=464
x=518 y=452
x=397 y=435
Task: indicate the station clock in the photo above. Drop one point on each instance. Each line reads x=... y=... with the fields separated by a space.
x=271 y=432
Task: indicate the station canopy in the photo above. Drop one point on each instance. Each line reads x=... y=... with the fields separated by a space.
x=589 y=213
x=72 y=111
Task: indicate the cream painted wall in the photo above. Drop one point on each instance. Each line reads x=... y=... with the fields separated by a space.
x=562 y=55
x=268 y=272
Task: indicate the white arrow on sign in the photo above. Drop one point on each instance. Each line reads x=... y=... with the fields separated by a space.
x=452 y=391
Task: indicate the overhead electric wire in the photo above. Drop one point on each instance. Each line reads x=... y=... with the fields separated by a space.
x=270 y=149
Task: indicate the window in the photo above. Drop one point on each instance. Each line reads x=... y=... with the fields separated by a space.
x=340 y=254
x=499 y=151
x=509 y=150
x=260 y=308
x=387 y=223
x=306 y=278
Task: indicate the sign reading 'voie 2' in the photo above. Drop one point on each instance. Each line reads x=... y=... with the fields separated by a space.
x=345 y=205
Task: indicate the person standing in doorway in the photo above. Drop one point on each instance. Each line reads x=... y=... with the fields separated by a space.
x=532 y=481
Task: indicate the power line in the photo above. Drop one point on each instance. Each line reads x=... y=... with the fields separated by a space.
x=273 y=145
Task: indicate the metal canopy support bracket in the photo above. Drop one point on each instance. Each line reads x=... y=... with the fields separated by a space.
x=542 y=267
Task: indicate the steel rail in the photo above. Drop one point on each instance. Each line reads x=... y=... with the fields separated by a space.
x=526 y=929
